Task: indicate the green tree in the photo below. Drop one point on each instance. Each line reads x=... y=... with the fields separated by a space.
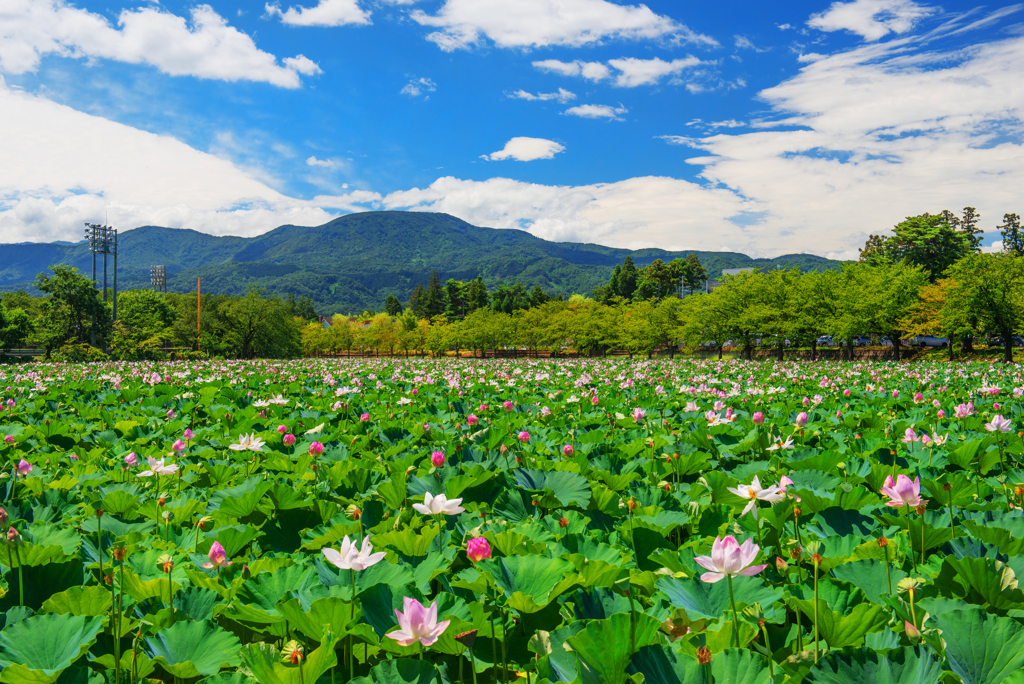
x=263 y=327
x=68 y=311
x=15 y=327
x=991 y=287
x=392 y=306
x=695 y=276
x=143 y=325
x=455 y=303
x=433 y=298
x=627 y=280
x=476 y=295
x=1013 y=240
x=417 y=301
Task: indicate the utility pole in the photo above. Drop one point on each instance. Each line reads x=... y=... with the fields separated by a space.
x=199 y=310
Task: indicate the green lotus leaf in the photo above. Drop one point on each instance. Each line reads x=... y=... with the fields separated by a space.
x=80 y=601
x=334 y=612
x=268 y=667
x=839 y=630
x=912 y=665
x=604 y=647
x=711 y=600
x=568 y=488
x=400 y=671
x=37 y=649
x=981 y=648
x=659 y=663
x=193 y=649
x=531 y=582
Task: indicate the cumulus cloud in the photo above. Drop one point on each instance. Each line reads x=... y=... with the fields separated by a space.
x=327 y=13
x=590 y=111
x=635 y=72
x=60 y=167
x=871 y=19
x=418 y=86
x=880 y=133
x=324 y=163
x=526 y=149
x=562 y=96
x=592 y=71
x=205 y=47
x=539 y=23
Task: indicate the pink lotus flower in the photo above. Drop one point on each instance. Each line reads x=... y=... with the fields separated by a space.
x=507 y=405
x=437 y=459
x=941 y=414
x=288 y=440
x=903 y=491
x=316 y=448
x=131 y=459
x=218 y=557
x=594 y=400
x=170 y=414
x=729 y=558
x=801 y=419
x=364 y=417
x=417 y=623
x=524 y=437
x=999 y=424
x=568 y=450
x=936 y=403
x=756 y=493
x=24 y=467
x=995 y=406
x=758 y=418
x=11 y=404
x=281 y=429
x=187 y=435
x=846 y=392
x=8 y=439
x=483 y=407
x=638 y=414
x=964 y=410
x=348 y=557
x=478 y=549
x=472 y=420
x=545 y=412
x=918 y=397
x=805 y=401
x=178 y=446
x=909 y=437
x=895 y=394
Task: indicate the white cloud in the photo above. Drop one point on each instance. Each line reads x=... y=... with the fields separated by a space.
x=327 y=13
x=871 y=19
x=562 y=96
x=634 y=213
x=324 y=163
x=636 y=72
x=418 y=86
x=539 y=23
x=526 y=149
x=60 y=167
x=589 y=111
x=592 y=71
x=206 y=47
x=882 y=132
x=784 y=27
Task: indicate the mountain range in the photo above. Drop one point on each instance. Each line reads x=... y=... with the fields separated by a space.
x=354 y=262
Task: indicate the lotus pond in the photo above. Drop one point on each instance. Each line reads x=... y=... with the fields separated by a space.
x=456 y=521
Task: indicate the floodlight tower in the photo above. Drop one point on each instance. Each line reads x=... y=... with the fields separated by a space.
x=158 y=278
x=102 y=240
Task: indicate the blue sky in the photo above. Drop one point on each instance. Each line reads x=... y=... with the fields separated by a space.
x=765 y=128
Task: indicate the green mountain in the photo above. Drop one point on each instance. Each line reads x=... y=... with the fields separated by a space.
x=355 y=261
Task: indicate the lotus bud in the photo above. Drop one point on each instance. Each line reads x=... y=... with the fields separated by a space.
x=316 y=448
x=289 y=440
x=13 y=538
x=437 y=459
x=478 y=549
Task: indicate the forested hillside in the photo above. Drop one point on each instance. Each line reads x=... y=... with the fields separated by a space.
x=354 y=262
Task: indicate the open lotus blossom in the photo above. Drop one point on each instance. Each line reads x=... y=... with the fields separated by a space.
x=417 y=623
x=524 y=437
x=638 y=414
x=472 y=420
x=999 y=424
x=247 y=443
x=348 y=557
x=218 y=557
x=910 y=436
x=178 y=446
x=964 y=410
x=730 y=558
x=157 y=467
x=436 y=505
x=754 y=492
x=779 y=444
x=131 y=459
x=24 y=467
x=903 y=491
x=937 y=440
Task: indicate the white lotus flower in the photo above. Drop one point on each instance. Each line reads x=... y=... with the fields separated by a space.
x=434 y=505
x=348 y=557
x=158 y=468
x=247 y=443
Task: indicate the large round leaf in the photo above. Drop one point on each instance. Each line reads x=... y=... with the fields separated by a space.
x=981 y=648
x=268 y=667
x=400 y=671
x=37 y=649
x=194 y=649
x=866 y=666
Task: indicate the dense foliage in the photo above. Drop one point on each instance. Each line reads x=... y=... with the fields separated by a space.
x=354 y=262
x=559 y=521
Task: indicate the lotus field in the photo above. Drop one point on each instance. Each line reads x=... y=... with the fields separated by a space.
x=494 y=521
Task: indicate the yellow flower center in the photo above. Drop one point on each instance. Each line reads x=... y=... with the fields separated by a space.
x=751 y=493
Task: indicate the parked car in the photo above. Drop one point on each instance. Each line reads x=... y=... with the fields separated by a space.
x=825 y=341
x=928 y=341
x=997 y=341
x=860 y=341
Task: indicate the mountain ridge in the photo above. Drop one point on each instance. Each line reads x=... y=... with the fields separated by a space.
x=355 y=261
